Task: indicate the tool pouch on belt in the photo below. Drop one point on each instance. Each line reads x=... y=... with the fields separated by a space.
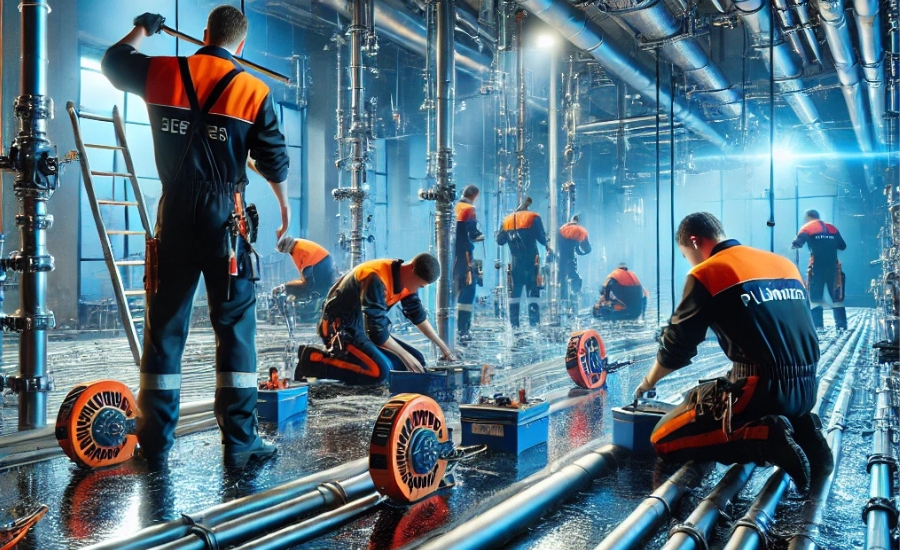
x=538 y=277
x=715 y=397
x=151 y=265
x=839 y=286
x=478 y=271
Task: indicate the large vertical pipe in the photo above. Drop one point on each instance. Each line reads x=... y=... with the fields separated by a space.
x=553 y=169
x=521 y=161
x=358 y=135
x=571 y=125
x=446 y=97
x=877 y=518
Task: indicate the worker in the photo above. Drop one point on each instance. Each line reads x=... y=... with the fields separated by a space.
x=207 y=117
x=355 y=328
x=573 y=239
x=522 y=231
x=824 y=271
x=756 y=304
x=622 y=297
x=466 y=270
x=317 y=273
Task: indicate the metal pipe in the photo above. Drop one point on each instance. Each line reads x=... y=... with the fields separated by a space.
x=326 y=496
x=221 y=513
x=837 y=34
x=748 y=532
x=312 y=528
x=654 y=511
x=636 y=121
x=806 y=23
x=517 y=513
x=521 y=161
x=571 y=151
x=786 y=18
x=868 y=27
x=553 y=175
x=655 y=23
x=703 y=519
x=359 y=135
x=878 y=524
x=588 y=36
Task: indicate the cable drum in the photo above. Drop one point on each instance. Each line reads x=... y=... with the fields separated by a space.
x=95 y=426
x=586 y=359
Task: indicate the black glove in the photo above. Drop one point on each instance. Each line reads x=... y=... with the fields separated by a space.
x=152 y=22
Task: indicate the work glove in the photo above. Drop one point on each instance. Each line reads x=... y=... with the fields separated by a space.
x=152 y=22
x=642 y=388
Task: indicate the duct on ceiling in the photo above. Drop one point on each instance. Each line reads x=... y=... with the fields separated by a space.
x=868 y=26
x=588 y=36
x=653 y=21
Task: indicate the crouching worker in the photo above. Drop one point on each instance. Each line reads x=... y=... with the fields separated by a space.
x=355 y=327
x=317 y=274
x=756 y=304
x=622 y=296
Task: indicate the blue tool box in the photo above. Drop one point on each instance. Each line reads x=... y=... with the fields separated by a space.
x=509 y=429
x=445 y=384
x=276 y=406
x=632 y=428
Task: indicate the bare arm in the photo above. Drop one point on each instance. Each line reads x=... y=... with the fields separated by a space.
x=280 y=191
x=426 y=329
x=135 y=37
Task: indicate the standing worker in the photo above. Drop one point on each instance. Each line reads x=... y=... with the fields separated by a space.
x=756 y=304
x=207 y=116
x=355 y=327
x=573 y=239
x=622 y=296
x=466 y=272
x=522 y=231
x=316 y=268
x=824 y=271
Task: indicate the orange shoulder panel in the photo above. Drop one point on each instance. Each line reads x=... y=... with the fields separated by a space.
x=813 y=227
x=465 y=212
x=573 y=232
x=519 y=220
x=164 y=85
x=741 y=263
x=624 y=277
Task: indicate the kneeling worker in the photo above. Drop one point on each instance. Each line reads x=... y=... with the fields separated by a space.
x=756 y=304
x=315 y=265
x=355 y=327
x=622 y=296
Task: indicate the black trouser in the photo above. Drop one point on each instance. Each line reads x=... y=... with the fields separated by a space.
x=831 y=278
x=465 y=305
x=619 y=311
x=698 y=428
x=192 y=243
x=568 y=271
x=524 y=276
x=358 y=364
x=319 y=282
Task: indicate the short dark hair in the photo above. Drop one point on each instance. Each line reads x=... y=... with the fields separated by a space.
x=814 y=214
x=426 y=267
x=226 y=26
x=471 y=191
x=699 y=224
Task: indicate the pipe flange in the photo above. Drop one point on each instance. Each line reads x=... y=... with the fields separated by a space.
x=758 y=521
x=33 y=106
x=33 y=223
x=15 y=323
x=881 y=504
x=882 y=459
x=690 y=530
x=32 y=384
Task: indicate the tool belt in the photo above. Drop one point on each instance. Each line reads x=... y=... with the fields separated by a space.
x=771 y=372
x=716 y=397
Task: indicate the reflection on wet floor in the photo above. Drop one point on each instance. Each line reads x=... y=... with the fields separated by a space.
x=88 y=507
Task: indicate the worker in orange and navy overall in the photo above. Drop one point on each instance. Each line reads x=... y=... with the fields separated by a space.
x=573 y=239
x=824 y=271
x=207 y=116
x=315 y=265
x=466 y=274
x=756 y=304
x=622 y=297
x=355 y=328
x=522 y=231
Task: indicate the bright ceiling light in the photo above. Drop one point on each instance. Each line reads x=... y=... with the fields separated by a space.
x=547 y=41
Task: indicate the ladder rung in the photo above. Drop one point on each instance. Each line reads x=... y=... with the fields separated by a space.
x=125 y=232
x=111 y=174
x=134 y=292
x=137 y=320
x=92 y=116
x=109 y=202
x=101 y=146
x=129 y=262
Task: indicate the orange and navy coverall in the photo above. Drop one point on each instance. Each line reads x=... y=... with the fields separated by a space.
x=522 y=231
x=573 y=239
x=756 y=304
x=354 y=324
x=824 y=270
x=316 y=268
x=464 y=276
x=622 y=296
x=201 y=155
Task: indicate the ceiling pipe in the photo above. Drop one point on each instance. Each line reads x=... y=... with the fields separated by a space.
x=652 y=21
x=837 y=34
x=588 y=36
x=786 y=18
x=802 y=12
x=868 y=26
x=612 y=124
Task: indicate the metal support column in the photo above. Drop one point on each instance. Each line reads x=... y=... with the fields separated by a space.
x=553 y=177
x=521 y=160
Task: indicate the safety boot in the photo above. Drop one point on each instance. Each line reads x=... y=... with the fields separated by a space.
x=239 y=458
x=781 y=450
x=818 y=317
x=840 y=318
x=808 y=434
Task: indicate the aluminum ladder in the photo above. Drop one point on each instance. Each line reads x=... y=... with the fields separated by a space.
x=127 y=299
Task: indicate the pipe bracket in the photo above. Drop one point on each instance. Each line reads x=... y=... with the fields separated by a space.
x=881 y=504
x=27 y=384
x=690 y=530
x=758 y=521
x=204 y=533
x=877 y=459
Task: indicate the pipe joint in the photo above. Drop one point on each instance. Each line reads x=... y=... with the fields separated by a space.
x=693 y=532
x=21 y=384
x=881 y=504
x=879 y=459
x=30 y=322
x=758 y=521
x=344 y=193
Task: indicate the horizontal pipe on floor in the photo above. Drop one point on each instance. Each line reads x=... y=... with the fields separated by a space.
x=312 y=528
x=227 y=511
x=654 y=511
x=705 y=516
x=878 y=519
x=517 y=513
x=827 y=380
x=247 y=526
x=748 y=532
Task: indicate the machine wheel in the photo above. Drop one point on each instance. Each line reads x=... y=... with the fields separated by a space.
x=96 y=424
x=408 y=442
x=586 y=359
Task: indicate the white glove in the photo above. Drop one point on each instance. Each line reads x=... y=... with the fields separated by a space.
x=642 y=388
